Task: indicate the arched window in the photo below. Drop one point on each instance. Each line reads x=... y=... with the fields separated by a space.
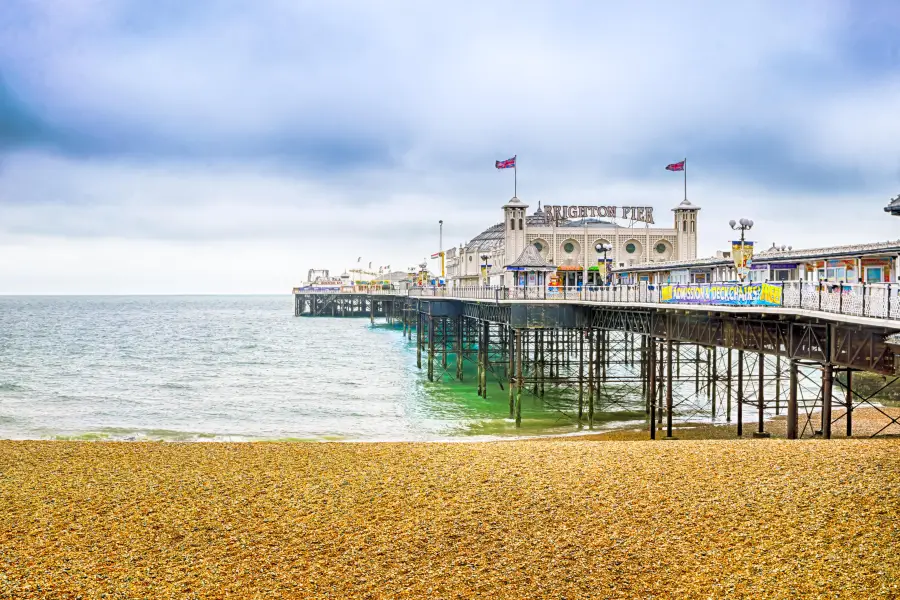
x=512 y=224
x=684 y=226
x=520 y=225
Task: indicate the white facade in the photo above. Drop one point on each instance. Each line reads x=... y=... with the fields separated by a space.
x=569 y=244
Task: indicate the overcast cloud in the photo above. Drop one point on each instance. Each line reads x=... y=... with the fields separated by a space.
x=227 y=147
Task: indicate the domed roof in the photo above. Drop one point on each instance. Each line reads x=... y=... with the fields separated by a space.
x=686 y=205
x=495 y=235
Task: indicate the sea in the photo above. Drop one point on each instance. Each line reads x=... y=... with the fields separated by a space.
x=238 y=368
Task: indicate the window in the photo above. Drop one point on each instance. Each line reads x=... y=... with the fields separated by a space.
x=692 y=227
x=569 y=247
x=759 y=275
x=661 y=248
x=539 y=246
x=470 y=259
x=520 y=224
x=630 y=248
x=781 y=274
x=873 y=274
x=836 y=273
x=512 y=224
x=684 y=226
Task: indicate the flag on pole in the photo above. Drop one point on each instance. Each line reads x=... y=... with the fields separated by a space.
x=509 y=163
x=679 y=166
x=436 y=255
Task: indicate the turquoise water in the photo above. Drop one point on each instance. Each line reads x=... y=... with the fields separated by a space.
x=234 y=368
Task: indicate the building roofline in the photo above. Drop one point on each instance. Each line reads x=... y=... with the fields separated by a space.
x=889 y=247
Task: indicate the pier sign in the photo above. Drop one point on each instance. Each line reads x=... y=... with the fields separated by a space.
x=644 y=214
x=750 y=294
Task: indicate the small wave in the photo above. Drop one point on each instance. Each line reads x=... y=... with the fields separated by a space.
x=171 y=385
x=8 y=386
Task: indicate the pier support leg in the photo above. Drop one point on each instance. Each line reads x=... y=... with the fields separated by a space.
x=581 y=335
x=478 y=362
x=777 y=384
x=644 y=373
x=459 y=348
x=430 y=348
x=827 y=384
x=445 y=346
x=485 y=358
x=669 y=388
x=543 y=363
x=697 y=370
x=714 y=379
x=792 y=412
x=728 y=382
x=761 y=398
x=651 y=385
x=512 y=345
x=418 y=339
x=591 y=360
x=740 y=394
x=848 y=403
x=519 y=357
x=660 y=383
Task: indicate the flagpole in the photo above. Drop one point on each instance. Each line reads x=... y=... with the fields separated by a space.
x=685 y=178
x=515 y=176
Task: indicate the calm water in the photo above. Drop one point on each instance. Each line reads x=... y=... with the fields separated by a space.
x=229 y=368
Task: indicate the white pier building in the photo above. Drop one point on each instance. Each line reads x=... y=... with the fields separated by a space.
x=568 y=237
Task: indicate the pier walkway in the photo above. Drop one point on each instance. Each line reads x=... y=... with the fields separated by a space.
x=674 y=351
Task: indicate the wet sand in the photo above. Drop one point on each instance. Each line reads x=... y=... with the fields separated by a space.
x=612 y=519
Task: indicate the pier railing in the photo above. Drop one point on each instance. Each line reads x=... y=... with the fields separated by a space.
x=876 y=300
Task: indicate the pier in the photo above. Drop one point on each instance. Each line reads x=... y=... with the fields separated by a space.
x=646 y=348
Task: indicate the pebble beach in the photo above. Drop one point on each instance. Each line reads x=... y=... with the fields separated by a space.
x=537 y=519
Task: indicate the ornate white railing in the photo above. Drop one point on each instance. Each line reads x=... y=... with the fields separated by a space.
x=877 y=300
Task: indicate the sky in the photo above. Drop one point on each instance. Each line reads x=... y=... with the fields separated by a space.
x=221 y=146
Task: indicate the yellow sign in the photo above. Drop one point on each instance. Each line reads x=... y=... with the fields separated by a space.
x=743 y=257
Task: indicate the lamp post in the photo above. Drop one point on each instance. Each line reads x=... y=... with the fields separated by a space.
x=742 y=225
x=602 y=248
x=484 y=258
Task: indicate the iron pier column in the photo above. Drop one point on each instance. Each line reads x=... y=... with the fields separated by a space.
x=582 y=333
x=519 y=357
x=651 y=385
x=792 y=401
x=430 y=348
x=485 y=358
x=418 y=339
x=827 y=383
x=669 y=387
x=740 y=394
x=728 y=382
x=760 y=395
x=512 y=371
x=849 y=403
x=591 y=354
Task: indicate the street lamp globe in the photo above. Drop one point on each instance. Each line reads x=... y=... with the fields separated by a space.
x=599 y=247
x=732 y=223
